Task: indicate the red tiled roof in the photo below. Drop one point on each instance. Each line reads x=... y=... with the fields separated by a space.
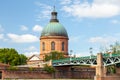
x=2 y=64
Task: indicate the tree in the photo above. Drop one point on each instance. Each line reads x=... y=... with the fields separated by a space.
x=47 y=58
x=115 y=48
x=54 y=56
x=49 y=69
x=23 y=59
x=11 y=56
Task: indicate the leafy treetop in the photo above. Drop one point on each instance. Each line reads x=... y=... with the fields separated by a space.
x=11 y=56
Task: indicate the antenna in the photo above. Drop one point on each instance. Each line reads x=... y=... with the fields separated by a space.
x=54 y=3
x=54 y=8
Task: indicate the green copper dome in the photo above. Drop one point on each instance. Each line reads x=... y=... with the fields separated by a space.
x=54 y=29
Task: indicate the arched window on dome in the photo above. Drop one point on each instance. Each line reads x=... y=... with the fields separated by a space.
x=52 y=45
x=63 y=45
x=43 y=46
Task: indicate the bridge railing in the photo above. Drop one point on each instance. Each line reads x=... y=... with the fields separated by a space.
x=87 y=59
x=111 y=55
x=74 y=59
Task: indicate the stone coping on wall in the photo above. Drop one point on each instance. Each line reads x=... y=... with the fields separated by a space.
x=47 y=79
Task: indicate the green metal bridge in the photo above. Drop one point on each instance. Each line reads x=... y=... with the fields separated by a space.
x=108 y=59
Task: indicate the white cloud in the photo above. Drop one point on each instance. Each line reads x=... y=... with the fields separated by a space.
x=117 y=2
x=74 y=38
x=65 y=2
x=103 y=40
x=118 y=35
x=1 y=28
x=44 y=12
x=26 y=38
x=1 y=36
x=115 y=21
x=31 y=48
x=24 y=28
x=96 y=9
x=29 y=54
x=102 y=43
x=37 y=28
x=83 y=53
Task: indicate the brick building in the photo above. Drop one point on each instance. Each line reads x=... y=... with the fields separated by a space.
x=54 y=37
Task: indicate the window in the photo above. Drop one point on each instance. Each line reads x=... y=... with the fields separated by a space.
x=52 y=45
x=43 y=46
x=63 y=46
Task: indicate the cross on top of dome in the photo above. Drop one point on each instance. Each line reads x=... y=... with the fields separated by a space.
x=54 y=16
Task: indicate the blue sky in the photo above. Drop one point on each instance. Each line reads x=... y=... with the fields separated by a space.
x=89 y=23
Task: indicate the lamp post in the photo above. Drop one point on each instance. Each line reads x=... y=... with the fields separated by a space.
x=91 y=52
x=70 y=54
x=111 y=48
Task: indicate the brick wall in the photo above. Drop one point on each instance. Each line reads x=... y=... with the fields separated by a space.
x=40 y=74
x=75 y=72
x=61 y=72
x=26 y=74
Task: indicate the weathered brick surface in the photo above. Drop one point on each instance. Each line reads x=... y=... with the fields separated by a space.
x=58 y=45
x=64 y=73
x=27 y=74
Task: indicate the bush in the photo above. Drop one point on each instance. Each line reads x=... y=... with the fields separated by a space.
x=12 y=68
x=49 y=69
x=111 y=69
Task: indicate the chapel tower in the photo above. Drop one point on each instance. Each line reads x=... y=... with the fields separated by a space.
x=54 y=37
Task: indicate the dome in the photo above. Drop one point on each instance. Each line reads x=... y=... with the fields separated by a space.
x=54 y=29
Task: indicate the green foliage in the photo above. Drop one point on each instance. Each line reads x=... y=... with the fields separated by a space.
x=118 y=65
x=11 y=56
x=49 y=69
x=23 y=59
x=54 y=56
x=111 y=69
x=12 y=68
x=31 y=68
x=115 y=48
x=47 y=58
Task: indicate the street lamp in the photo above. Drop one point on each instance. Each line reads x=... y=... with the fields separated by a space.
x=111 y=48
x=70 y=54
x=91 y=52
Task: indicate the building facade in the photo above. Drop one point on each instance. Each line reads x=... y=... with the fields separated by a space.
x=54 y=37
